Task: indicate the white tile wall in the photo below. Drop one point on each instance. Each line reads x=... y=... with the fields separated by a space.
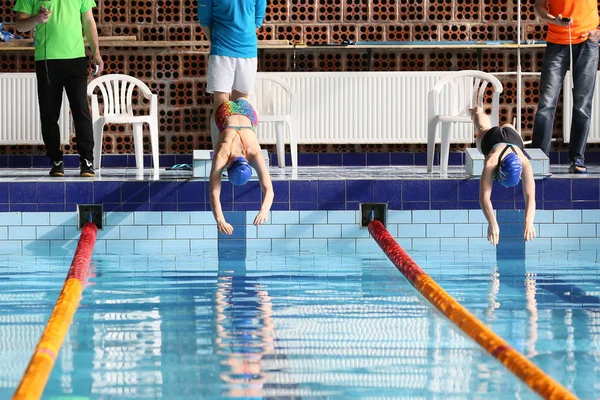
x=332 y=231
x=271 y=231
x=411 y=230
x=147 y=246
x=314 y=245
x=35 y=218
x=189 y=232
x=197 y=246
x=313 y=217
x=133 y=232
x=399 y=217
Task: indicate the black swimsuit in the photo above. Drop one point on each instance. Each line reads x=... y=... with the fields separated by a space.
x=497 y=135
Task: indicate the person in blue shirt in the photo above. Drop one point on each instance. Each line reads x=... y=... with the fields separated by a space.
x=230 y=27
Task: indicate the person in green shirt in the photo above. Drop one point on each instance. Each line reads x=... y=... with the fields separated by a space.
x=60 y=64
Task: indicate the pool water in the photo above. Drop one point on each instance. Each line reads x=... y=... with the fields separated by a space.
x=302 y=326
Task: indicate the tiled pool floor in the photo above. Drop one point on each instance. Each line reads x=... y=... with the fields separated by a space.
x=277 y=174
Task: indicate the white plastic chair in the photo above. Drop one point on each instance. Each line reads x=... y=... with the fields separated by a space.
x=117 y=92
x=467 y=89
x=273 y=99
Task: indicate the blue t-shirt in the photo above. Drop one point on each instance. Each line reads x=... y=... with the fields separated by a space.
x=233 y=25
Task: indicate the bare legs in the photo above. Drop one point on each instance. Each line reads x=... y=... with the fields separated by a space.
x=218 y=99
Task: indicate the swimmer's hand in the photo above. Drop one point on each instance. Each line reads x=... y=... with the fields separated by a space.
x=494 y=233
x=224 y=227
x=474 y=111
x=529 y=232
x=262 y=216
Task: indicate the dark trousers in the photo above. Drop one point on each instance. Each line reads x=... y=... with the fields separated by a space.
x=556 y=64
x=72 y=76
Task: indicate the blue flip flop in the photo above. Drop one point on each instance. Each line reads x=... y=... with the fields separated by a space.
x=577 y=167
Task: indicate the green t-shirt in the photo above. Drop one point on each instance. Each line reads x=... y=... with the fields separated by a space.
x=61 y=38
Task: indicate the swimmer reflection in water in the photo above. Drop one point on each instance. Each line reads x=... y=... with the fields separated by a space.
x=244 y=329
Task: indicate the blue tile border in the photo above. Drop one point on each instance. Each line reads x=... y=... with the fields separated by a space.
x=190 y=195
x=304 y=159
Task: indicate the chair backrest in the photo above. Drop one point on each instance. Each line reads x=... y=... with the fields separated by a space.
x=463 y=90
x=272 y=96
x=117 y=93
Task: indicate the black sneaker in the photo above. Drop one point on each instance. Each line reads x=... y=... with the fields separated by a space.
x=86 y=168
x=58 y=168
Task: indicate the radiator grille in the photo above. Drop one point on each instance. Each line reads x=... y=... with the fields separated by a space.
x=369 y=107
x=20 y=114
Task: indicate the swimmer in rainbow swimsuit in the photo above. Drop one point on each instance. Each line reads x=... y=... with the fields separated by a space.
x=236 y=151
x=506 y=163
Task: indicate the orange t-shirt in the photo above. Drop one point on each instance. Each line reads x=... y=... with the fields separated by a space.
x=584 y=14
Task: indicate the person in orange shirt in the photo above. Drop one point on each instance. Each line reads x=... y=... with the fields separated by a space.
x=572 y=26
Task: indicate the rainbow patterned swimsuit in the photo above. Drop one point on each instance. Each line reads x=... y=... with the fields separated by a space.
x=238 y=107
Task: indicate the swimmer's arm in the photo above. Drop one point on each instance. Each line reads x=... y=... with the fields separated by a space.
x=266 y=185
x=218 y=165
x=485 y=193
x=529 y=195
x=259 y=164
x=485 y=200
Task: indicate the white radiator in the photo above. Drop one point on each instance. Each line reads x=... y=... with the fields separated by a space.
x=362 y=107
x=594 y=135
x=20 y=113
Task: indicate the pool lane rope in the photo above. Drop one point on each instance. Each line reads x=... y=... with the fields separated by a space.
x=40 y=366
x=528 y=372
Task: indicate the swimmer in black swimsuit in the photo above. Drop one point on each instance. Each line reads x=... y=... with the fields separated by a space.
x=506 y=163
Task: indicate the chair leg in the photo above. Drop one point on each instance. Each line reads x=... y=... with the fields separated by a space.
x=280 y=144
x=445 y=146
x=432 y=125
x=154 y=143
x=98 y=128
x=293 y=145
x=138 y=143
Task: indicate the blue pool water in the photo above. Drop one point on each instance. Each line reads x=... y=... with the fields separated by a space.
x=301 y=326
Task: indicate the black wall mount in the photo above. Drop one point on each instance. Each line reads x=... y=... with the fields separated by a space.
x=373 y=211
x=89 y=213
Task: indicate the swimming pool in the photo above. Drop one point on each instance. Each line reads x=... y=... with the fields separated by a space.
x=302 y=325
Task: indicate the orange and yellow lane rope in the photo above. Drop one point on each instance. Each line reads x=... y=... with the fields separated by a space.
x=528 y=372
x=40 y=366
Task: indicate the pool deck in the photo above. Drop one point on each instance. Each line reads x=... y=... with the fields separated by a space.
x=304 y=173
x=322 y=187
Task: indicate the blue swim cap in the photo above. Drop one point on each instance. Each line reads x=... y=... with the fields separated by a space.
x=239 y=171
x=509 y=172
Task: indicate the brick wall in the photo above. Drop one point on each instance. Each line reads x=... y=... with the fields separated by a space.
x=178 y=75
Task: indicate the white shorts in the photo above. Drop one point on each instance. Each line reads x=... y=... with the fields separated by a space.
x=226 y=74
